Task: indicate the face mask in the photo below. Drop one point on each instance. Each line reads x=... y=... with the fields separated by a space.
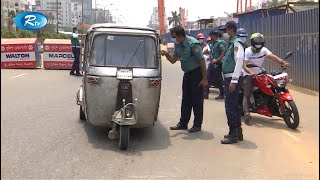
x=200 y=41
x=174 y=40
x=77 y=32
x=255 y=50
x=258 y=46
x=226 y=36
x=243 y=39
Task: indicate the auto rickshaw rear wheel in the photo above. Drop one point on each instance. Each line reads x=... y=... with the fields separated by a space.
x=82 y=115
x=124 y=137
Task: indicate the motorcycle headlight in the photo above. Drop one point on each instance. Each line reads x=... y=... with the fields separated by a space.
x=281 y=83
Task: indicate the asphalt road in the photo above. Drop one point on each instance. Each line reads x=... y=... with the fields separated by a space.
x=42 y=137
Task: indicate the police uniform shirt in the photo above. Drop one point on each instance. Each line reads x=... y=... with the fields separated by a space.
x=75 y=40
x=189 y=53
x=238 y=57
x=221 y=45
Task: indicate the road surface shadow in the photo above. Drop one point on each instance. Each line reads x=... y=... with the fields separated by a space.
x=245 y=144
x=144 y=139
x=274 y=122
x=202 y=135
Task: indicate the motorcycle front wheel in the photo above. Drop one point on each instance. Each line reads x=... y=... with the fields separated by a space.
x=291 y=115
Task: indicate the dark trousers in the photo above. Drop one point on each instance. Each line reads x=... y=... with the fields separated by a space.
x=192 y=98
x=76 y=63
x=231 y=105
x=247 y=92
x=214 y=75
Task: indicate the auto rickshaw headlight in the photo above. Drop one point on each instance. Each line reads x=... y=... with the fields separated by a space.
x=129 y=112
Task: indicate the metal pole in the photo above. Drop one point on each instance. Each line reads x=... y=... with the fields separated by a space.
x=82 y=16
x=104 y=14
x=57 y=16
x=95 y=11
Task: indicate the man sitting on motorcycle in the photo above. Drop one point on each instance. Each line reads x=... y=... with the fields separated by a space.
x=255 y=54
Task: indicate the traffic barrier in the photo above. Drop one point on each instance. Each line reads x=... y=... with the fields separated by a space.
x=57 y=54
x=20 y=53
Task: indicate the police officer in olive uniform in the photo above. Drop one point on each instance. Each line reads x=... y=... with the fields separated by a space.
x=232 y=68
x=217 y=48
x=188 y=50
x=76 y=48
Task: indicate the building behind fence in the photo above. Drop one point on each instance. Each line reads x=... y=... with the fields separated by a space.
x=297 y=32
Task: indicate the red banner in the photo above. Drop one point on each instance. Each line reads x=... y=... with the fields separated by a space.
x=57 y=48
x=57 y=65
x=17 y=48
x=22 y=65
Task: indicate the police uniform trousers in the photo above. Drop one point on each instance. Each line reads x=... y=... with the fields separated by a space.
x=214 y=75
x=192 y=98
x=76 y=62
x=232 y=104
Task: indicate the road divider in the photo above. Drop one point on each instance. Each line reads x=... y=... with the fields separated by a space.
x=57 y=54
x=20 y=53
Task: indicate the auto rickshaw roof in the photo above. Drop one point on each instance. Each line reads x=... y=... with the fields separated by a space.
x=120 y=26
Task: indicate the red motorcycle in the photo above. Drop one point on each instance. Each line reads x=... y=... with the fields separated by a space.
x=271 y=97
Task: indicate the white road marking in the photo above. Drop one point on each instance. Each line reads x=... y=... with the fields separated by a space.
x=295 y=138
x=19 y=75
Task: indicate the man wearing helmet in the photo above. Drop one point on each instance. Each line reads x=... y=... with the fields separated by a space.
x=231 y=67
x=255 y=54
x=217 y=49
x=200 y=38
x=206 y=54
x=243 y=35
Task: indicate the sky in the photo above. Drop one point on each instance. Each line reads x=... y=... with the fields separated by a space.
x=138 y=12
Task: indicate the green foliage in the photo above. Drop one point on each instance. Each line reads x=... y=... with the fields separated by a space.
x=275 y=3
x=174 y=19
x=6 y=33
x=26 y=34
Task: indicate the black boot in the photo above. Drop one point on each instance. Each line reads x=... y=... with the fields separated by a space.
x=232 y=138
x=240 y=135
x=225 y=136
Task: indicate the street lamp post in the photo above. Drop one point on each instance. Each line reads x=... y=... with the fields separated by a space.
x=57 y=16
x=104 y=9
x=82 y=16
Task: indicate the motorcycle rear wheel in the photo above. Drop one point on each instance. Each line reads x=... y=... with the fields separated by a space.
x=291 y=116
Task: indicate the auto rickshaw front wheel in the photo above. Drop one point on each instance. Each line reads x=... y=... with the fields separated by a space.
x=124 y=137
x=82 y=115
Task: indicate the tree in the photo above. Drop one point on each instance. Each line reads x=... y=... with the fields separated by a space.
x=174 y=19
x=302 y=1
x=275 y=3
x=229 y=15
x=11 y=16
x=50 y=17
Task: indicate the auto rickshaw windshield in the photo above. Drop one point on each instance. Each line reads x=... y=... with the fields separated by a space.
x=124 y=50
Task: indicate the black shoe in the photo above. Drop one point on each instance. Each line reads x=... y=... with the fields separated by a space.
x=240 y=135
x=72 y=74
x=247 y=118
x=194 y=129
x=232 y=138
x=179 y=127
x=219 y=97
x=206 y=96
